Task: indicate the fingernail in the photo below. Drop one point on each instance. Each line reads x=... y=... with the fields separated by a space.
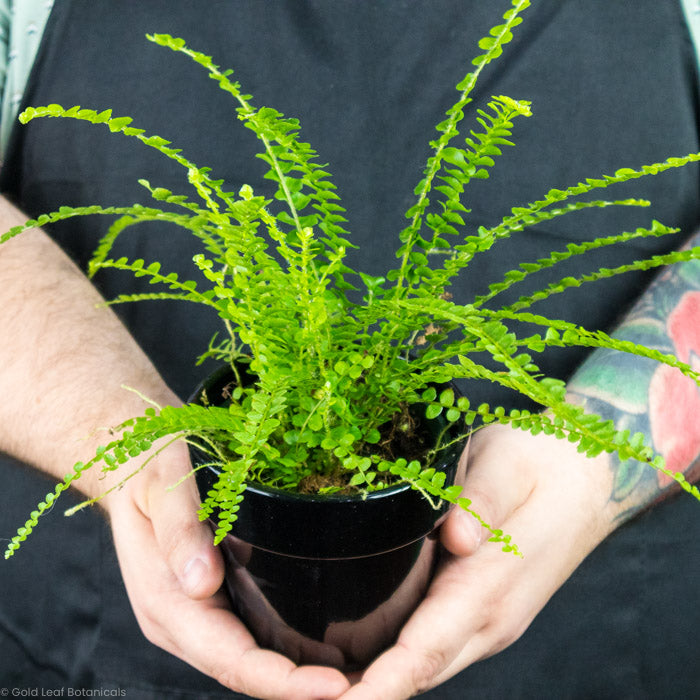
x=193 y=573
x=471 y=528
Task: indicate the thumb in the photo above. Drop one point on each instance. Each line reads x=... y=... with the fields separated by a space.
x=492 y=494
x=186 y=543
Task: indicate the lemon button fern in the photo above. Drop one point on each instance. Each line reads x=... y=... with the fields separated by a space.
x=332 y=375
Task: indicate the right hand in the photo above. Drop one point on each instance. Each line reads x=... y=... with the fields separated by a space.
x=554 y=501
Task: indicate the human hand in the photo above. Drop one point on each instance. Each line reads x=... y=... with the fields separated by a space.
x=555 y=504
x=173 y=574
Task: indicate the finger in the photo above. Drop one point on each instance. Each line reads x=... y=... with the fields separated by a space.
x=429 y=642
x=217 y=643
x=493 y=490
x=475 y=606
x=461 y=533
x=185 y=542
x=555 y=532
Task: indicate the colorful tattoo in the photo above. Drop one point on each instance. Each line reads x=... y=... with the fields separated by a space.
x=644 y=396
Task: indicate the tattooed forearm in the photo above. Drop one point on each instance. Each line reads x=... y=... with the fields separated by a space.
x=641 y=395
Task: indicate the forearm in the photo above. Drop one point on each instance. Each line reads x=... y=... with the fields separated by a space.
x=64 y=358
x=641 y=395
x=63 y=363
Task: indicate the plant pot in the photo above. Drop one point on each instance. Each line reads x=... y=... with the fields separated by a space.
x=328 y=579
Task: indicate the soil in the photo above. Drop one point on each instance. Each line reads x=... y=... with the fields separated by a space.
x=403 y=436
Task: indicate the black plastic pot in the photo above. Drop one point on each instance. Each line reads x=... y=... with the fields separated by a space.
x=328 y=579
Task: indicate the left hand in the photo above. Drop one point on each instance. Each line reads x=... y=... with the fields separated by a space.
x=555 y=504
x=173 y=574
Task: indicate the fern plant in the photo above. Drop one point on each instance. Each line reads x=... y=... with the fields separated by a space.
x=336 y=372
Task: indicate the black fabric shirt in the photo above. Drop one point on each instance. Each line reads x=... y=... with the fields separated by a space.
x=612 y=85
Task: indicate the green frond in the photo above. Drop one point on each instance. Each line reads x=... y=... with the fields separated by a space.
x=498 y=37
x=197 y=176
x=155 y=296
x=301 y=181
x=195 y=225
x=70 y=212
x=187 y=420
x=562 y=333
x=121 y=482
x=447 y=129
x=604 y=272
x=462 y=254
x=514 y=276
x=46 y=505
x=431 y=484
x=188 y=288
x=251 y=437
x=592 y=434
x=523 y=215
x=224 y=499
x=138 y=436
x=454 y=167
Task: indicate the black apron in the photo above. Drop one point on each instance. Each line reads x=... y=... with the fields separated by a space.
x=612 y=85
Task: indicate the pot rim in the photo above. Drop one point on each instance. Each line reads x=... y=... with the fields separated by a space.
x=447 y=454
x=331 y=525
